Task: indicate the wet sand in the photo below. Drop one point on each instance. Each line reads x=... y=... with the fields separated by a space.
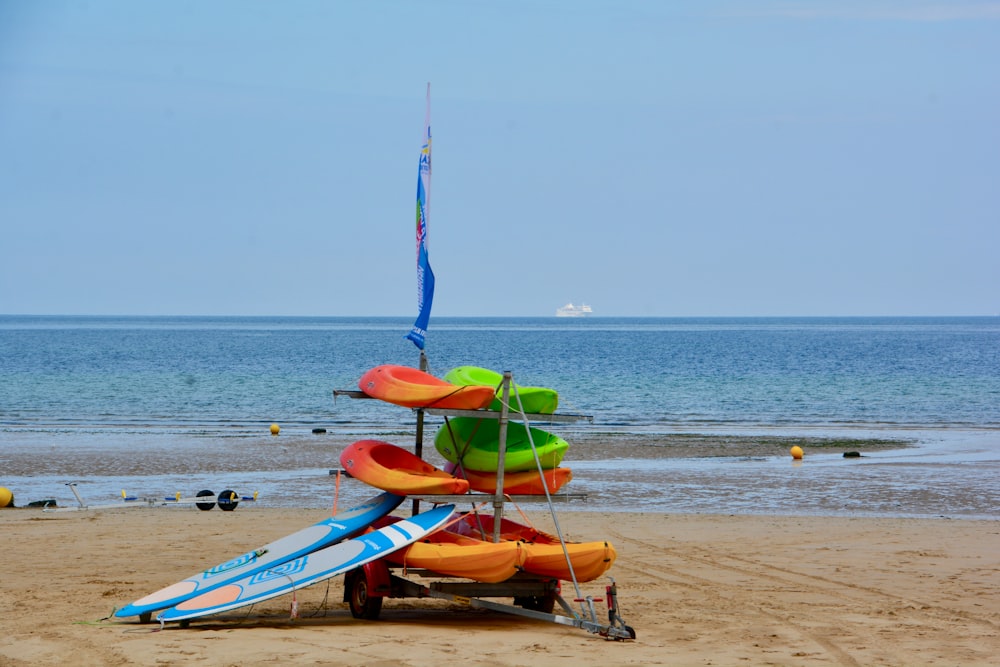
x=293 y=470
x=943 y=474
x=698 y=589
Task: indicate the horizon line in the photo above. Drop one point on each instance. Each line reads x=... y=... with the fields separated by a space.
x=587 y=317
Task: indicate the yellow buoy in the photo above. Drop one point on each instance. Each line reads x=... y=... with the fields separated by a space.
x=275 y=429
x=6 y=497
x=796 y=452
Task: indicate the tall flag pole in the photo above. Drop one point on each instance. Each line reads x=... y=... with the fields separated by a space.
x=425 y=277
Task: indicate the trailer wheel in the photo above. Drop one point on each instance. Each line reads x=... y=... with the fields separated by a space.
x=228 y=500
x=362 y=605
x=204 y=507
x=146 y=617
x=543 y=603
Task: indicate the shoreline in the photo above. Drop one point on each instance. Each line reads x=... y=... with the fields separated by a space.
x=956 y=475
x=292 y=451
x=698 y=589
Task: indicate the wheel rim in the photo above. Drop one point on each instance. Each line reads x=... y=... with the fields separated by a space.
x=361 y=593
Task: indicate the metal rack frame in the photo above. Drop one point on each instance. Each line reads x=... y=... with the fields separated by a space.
x=365 y=587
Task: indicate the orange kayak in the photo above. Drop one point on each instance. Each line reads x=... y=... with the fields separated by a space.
x=464 y=548
x=542 y=553
x=590 y=559
x=527 y=482
x=390 y=468
x=413 y=388
x=457 y=555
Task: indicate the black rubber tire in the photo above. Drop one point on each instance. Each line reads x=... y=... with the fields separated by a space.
x=543 y=603
x=146 y=617
x=204 y=507
x=228 y=500
x=362 y=605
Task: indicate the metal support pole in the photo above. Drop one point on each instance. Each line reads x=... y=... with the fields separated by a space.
x=501 y=454
x=418 y=445
x=72 y=487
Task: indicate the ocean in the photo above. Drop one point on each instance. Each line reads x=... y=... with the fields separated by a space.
x=680 y=407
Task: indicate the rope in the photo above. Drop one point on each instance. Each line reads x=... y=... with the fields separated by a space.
x=474 y=512
x=457 y=390
x=548 y=497
x=322 y=604
x=523 y=515
x=100 y=621
x=460 y=455
x=336 y=493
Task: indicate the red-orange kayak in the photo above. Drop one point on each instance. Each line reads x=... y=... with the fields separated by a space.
x=390 y=468
x=527 y=482
x=413 y=388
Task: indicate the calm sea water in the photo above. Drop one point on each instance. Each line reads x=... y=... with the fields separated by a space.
x=138 y=386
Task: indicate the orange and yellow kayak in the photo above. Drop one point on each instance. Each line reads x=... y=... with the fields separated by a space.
x=446 y=552
x=413 y=388
x=543 y=554
x=464 y=548
x=590 y=559
x=390 y=468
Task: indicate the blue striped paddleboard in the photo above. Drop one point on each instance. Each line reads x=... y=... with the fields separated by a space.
x=312 y=567
x=322 y=534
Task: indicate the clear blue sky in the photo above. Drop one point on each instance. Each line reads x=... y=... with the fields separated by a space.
x=652 y=158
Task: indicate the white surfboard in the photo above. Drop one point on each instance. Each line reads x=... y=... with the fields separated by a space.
x=319 y=535
x=311 y=568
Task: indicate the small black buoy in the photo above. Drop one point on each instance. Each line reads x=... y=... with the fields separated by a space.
x=228 y=500
x=319 y=430
x=852 y=455
x=204 y=507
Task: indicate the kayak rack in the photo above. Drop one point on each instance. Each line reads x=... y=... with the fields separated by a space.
x=534 y=597
x=499 y=497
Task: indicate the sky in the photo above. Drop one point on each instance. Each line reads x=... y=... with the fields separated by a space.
x=648 y=157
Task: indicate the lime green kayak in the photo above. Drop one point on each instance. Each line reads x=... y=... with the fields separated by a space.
x=477 y=442
x=536 y=400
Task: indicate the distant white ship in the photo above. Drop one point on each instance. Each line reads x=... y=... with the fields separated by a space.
x=569 y=310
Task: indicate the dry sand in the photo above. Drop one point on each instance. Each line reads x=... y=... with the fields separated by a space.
x=698 y=589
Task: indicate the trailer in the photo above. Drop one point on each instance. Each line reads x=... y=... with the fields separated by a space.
x=366 y=587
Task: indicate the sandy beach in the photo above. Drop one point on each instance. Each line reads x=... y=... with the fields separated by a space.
x=697 y=589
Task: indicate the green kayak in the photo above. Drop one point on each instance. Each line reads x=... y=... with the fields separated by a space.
x=536 y=400
x=477 y=442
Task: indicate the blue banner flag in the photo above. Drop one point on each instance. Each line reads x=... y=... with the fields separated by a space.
x=425 y=277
